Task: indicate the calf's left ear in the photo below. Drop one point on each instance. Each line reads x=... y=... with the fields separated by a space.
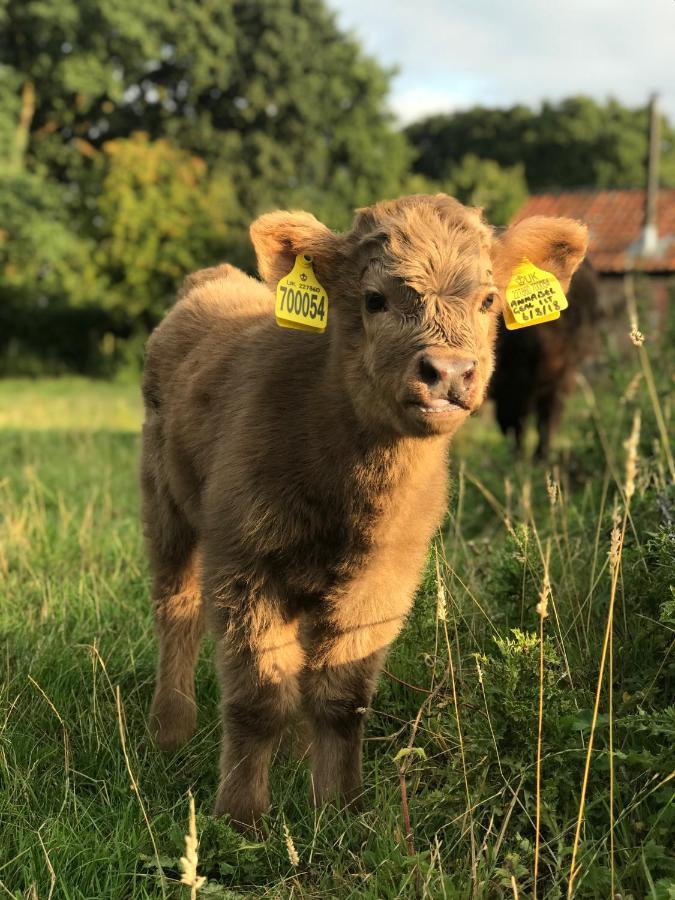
x=278 y=237
x=556 y=245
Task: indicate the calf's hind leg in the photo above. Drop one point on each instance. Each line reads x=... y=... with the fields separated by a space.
x=179 y=619
x=179 y=623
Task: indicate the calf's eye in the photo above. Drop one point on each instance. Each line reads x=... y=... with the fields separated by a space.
x=487 y=303
x=375 y=302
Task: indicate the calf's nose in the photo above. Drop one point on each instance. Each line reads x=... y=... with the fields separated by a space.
x=448 y=377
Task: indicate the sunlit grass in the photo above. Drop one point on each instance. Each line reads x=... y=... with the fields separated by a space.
x=496 y=725
x=69 y=404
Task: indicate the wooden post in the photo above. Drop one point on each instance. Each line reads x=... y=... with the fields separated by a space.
x=650 y=236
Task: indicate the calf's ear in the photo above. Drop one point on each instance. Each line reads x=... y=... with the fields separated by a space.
x=278 y=237
x=556 y=245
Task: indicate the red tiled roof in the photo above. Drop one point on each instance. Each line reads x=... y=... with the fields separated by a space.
x=615 y=221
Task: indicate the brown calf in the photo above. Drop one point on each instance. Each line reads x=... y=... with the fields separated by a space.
x=292 y=482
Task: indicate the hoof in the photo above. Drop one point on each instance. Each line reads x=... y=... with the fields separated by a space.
x=243 y=817
x=172 y=720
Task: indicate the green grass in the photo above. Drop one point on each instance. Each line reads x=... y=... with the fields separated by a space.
x=78 y=660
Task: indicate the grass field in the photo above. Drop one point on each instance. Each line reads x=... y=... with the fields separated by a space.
x=89 y=809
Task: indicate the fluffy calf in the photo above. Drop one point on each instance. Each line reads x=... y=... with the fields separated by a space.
x=292 y=482
x=536 y=367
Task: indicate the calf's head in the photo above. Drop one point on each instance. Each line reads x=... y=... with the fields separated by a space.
x=415 y=290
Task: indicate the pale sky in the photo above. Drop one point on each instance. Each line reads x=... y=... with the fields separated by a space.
x=457 y=53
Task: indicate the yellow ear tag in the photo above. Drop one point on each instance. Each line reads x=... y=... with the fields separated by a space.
x=301 y=301
x=533 y=296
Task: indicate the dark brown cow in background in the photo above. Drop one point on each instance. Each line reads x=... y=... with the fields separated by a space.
x=536 y=367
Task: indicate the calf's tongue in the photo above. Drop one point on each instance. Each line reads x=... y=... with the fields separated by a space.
x=437 y=403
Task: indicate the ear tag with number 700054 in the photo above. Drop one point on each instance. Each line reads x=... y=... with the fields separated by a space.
x=533 y=296
x=301 y=301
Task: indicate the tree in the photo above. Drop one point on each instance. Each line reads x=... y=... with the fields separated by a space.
x=161 y=214
x=574 y=143
x=50 y=286
x=274 y=91
x=498 y=190
x=151 y=133
x=43 y=261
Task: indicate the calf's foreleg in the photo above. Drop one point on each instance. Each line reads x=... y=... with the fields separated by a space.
x=347 y=642
x=259 y=658
x=336 y=700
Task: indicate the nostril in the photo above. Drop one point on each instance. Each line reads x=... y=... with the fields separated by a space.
x=469 y=372
x=429 y=374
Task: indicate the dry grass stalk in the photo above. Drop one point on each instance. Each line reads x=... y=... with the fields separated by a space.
x=544 y=594
x=616 y=548
x=451 y=672
x=616 y=513
x=658 y=412
x=406 y=754
x=636 y=336
x=405 y=809
x=649 y=376
x=453 y=682
x=134 y=784
x=479 y=670
x=293 y=857
x=631 y=446
x=508 y=496
x=188 y=863
x=610 y=703
x=50 y=867
x=589 y=752
x=66 y=739
x=441 y=601
x=631 y=390
x=542 y=610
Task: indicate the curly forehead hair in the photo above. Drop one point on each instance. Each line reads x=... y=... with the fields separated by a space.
x=434 y=243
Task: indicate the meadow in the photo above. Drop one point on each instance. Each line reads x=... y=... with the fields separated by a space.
x=480 y=732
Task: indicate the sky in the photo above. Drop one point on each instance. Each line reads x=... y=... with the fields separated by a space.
x=458 y=53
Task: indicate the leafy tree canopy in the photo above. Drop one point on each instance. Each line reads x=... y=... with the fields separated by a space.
x=574 y=143
x=138 y=139
x=499 y=190
x=274 y=90
x=161 y=213
x=43 y=260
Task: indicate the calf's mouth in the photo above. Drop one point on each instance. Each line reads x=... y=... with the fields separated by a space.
x=439 y=405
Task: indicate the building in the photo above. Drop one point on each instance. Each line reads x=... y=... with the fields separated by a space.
x=625 y=237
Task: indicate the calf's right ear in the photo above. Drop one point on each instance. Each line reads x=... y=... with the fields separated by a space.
x=278 y=237
x=555 y=245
